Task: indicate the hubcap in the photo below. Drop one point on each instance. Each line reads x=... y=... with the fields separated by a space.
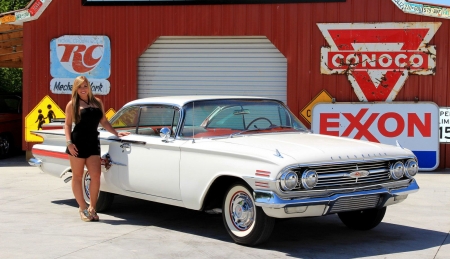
x=242 y=211
x=87 y=183
x=4 y=146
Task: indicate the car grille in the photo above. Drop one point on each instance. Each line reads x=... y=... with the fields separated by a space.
x=355 y=203
x=336 y=176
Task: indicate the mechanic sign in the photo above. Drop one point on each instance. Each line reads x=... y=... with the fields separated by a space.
x=412 y=125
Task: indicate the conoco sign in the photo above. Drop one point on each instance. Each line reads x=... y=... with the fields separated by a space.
x=378 y=57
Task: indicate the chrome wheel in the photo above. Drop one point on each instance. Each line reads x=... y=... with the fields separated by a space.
x=242 y=211
x=5 y=146
x=86 y=185
x=246 y=223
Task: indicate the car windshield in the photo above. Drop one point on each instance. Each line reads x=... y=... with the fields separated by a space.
x=219 y=118
x=9 y=104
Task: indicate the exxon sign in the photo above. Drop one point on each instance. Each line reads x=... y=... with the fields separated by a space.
x=412 y=125
x=378 y=57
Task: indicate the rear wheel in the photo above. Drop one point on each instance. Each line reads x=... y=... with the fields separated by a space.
x=362 y=219
x=246 y=223
x=105 y=199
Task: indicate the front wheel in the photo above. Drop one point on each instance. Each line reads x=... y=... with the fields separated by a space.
x=245 y=223
x=362 y=219
x=105 y=199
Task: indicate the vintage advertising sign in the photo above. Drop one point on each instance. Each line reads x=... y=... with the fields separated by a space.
x=323 y=96
x=72 y=56
x=64 y=86
x=378 y=57
x=44 y=112
x=412 y=125
x=423 y=9
x=444 y=125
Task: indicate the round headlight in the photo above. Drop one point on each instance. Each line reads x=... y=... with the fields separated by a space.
x=397 y=170
x=289 y=180
x=309 y=179
x=411 y=168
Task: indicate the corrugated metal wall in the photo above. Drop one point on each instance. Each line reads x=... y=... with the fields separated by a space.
x=290 y=27
x=187 y=65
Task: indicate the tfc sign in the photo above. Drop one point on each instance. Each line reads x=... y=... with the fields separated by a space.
x=378 y=57
x=412 y=125
x=72 y=56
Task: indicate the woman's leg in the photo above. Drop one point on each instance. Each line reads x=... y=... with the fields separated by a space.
x=77 y=165
x=93 y=165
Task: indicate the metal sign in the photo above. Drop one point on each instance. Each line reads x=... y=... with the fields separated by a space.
x=378 y=57
x=72 y=56
x=444 y=125
x=412 y=125
x=323 y=96
x=43 y=113
x=64 y=86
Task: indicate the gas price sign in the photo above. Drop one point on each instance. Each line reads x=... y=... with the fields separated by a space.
x=444 y=125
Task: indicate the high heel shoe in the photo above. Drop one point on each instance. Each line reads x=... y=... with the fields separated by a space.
x=93 y=214
x=85 y=216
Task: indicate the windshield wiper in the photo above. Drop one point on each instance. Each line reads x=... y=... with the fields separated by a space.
x=268 y=128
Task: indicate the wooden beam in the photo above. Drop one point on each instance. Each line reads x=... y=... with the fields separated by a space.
x=11 y=35
x=16 y=55
x=11 y=64
x=10 y=27
x=10 y=50
x=10 y=43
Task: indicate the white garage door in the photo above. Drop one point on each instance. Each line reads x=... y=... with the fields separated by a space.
x=214 y=66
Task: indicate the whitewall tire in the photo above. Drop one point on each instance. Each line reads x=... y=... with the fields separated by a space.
x=104 y=200
x=246 y=223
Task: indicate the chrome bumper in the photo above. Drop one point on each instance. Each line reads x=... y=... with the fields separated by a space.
x=277 y=207
x=35 y=162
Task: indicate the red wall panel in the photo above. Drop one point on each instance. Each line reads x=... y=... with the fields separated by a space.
x=291 y=28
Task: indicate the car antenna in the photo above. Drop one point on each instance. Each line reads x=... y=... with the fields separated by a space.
x=193 y=121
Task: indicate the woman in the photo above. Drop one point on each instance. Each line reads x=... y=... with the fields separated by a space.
x=83 y=146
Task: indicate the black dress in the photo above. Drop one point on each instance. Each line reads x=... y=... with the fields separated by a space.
x=85 y=134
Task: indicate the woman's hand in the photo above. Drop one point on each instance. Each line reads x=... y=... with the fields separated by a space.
x=123 y=134
x=73 y=149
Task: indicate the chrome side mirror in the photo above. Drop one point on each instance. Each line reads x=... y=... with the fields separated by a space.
x=165 y=134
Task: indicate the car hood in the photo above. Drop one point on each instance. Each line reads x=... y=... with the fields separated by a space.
x=307 y=147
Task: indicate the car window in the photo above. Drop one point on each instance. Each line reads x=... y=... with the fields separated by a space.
x=126 y=118
x=226 y=117
x=153 y=118
x=9 y=104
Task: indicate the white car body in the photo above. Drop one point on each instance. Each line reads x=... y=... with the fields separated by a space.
x=194 y=172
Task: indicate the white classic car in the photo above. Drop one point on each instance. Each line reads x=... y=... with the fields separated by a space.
x=248 y=158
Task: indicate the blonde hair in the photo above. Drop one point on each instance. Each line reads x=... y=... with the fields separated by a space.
x=76 y=98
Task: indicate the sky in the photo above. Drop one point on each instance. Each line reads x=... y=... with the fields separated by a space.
x=433 y=2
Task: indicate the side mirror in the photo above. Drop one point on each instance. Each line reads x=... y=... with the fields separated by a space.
x=165 y=134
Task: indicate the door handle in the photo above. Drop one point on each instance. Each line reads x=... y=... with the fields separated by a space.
x=125 y=146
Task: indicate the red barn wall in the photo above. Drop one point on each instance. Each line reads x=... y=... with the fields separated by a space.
x=291 y=28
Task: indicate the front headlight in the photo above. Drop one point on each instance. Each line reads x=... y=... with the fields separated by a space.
x=411 y=168
x=397 y=170
x=309 y=179
x=289 y=180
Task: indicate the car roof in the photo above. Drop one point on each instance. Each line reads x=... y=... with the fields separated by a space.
x=183 y=99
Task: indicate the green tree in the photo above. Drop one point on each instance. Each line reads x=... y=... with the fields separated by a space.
x=11 y=78
x=11 y=5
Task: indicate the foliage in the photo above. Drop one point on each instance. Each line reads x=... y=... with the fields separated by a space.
x=11 y=78
x=11 y=5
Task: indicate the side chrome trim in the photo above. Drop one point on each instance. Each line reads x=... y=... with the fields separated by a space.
x=270 y=199
x=35 y=162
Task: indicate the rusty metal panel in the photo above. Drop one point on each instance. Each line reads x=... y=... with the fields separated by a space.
x=292 y=28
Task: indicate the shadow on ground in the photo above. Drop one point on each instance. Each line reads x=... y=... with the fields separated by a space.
x=320 y=237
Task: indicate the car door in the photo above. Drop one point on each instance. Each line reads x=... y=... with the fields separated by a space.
x=151 y=164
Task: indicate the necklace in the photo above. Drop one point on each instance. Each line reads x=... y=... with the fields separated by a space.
x=85 y=101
